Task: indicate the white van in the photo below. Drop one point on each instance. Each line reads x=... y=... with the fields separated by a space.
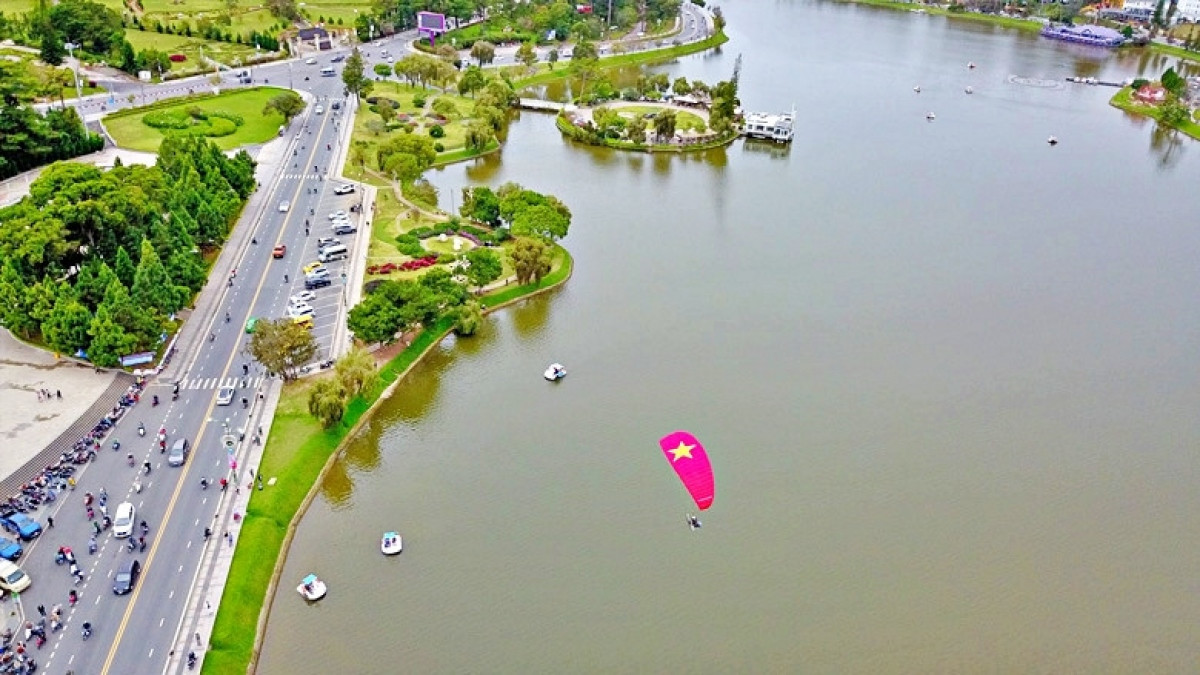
x=336 y=252
x=328 y=71
x=123 y=521
x=12 y=578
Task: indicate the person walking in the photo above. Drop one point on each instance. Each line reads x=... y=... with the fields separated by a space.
x=49 y=522
x=42 y=610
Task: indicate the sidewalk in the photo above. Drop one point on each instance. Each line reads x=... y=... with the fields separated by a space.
x=200 y=612
x=29 y=424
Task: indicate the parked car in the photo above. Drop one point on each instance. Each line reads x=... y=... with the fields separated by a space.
x=12 y=578
x=338 y=58
x=300 y=310
x=325 y=242
x=343 y=189
x=127 y=576
x=313 y=284
x=22 y=525
x=179 y=452
x=10 y=549
x=123 y=520
x=225 y=395
x=310 y=60
x=312 y=267
x=345 y=229
x=338 y=214
x=279 y=251
x=303 y=297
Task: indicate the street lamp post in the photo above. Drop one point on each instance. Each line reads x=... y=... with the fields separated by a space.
x=71 y=51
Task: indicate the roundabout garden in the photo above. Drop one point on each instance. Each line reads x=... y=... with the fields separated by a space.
x=229 y=119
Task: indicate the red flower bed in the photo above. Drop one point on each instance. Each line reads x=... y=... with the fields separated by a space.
x=177 y=58
x=417 y=264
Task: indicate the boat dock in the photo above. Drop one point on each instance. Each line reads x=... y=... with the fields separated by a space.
x=1094 y=81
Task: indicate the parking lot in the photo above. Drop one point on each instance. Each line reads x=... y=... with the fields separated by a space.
x=325 y=233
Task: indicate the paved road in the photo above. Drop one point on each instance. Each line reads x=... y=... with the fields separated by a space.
x=695 y=24
x=134 y=633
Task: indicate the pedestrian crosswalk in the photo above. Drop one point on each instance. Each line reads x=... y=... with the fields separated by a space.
x=301 y=176
x=222 y=382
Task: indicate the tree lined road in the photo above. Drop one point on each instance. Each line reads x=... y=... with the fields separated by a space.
x=135 y=633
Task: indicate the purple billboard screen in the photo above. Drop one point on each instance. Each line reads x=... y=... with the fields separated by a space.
x=430 y=21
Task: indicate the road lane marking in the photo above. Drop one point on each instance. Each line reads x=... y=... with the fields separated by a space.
x=234 y=354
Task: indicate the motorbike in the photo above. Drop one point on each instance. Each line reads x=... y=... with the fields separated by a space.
x=191 y=660
x=87 y=630
x=116 y=444
x=141 y=429
x=155 y=400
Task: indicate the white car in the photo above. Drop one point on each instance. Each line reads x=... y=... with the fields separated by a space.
x=284 y=206
x=123 y=520
x=302 y=298
x=225 y=396
x=310 y=60
x=338 y=214
x=320 y=110
x=343 y=189
x=300 y=310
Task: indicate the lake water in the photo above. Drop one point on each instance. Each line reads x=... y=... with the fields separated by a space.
x=946 y=373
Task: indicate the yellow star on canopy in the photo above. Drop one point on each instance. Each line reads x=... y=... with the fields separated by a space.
x=684 y=450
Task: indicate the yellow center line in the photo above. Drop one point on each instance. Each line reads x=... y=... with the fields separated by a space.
x=120 y=634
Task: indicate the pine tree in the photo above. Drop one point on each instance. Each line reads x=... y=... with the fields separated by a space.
x=152 y=287
x=124 y=267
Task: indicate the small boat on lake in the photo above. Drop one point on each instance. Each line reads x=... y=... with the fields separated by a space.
x=555 y=372
x=311 y=588
x=391 y=544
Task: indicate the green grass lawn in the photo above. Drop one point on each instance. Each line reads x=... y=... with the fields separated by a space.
x=224 y=52
x=453 y=141
x=541 y=73
x=684 y=120
x=128 y=130
x=1124 y=100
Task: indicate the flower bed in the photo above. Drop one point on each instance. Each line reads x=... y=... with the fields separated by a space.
x=414 y=264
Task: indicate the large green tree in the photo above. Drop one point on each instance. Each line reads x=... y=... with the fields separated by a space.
x=531 y=258
x=327 y=402
x=282 y=346
x=352 y=73
x=356 y=371
x=289 y=104
x=483 y=266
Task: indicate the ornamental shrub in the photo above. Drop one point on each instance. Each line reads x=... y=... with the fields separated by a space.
x=410 y=245
x=419 y=101
x=436 y=131
x=422 y=232
x=438 y=147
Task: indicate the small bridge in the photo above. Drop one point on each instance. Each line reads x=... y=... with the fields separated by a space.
x=541 y=106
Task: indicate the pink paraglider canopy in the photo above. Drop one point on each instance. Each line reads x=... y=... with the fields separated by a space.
x=685 y=454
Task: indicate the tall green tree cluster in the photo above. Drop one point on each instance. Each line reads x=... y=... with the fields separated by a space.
x=395 y=306
x=533 y=214
x=29 y=139
x=99 y=260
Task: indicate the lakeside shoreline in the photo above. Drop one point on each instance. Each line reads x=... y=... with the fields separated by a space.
x=253 y=590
